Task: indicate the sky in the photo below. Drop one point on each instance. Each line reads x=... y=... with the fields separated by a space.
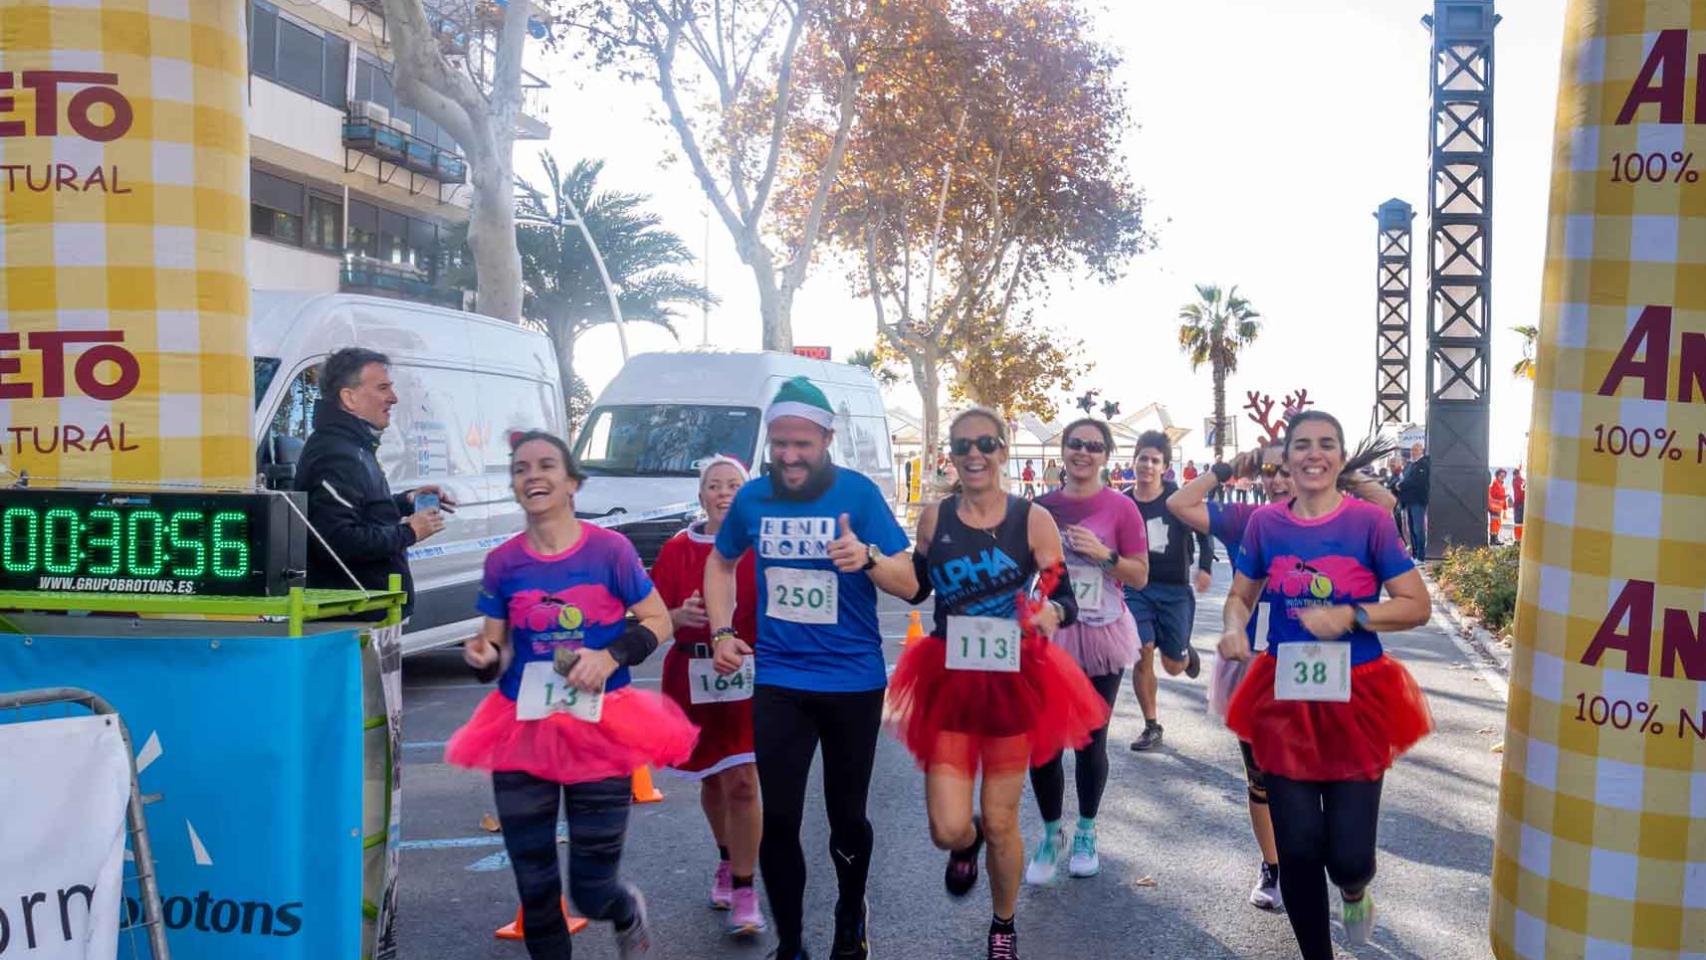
x=1265 y=135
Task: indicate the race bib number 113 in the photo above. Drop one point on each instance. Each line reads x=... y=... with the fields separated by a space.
x=983 y=643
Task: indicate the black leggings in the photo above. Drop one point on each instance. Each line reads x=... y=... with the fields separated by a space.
x=1091 y=769
x=597 y=813
x=787 y=726
x=1323 y=830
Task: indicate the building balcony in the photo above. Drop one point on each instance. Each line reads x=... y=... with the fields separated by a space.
x=381 y=139
x=398 y=281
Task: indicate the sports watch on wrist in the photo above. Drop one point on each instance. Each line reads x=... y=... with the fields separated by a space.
x=873 y=556
x=1360 y=612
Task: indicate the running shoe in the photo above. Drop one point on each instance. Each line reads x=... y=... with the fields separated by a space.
x=1149 y=739
x=1266 y=895
x=722 y=886
x=746 y=919
x=1084 y=862
x=1045 y=860
x=1359 y=919
x=961 y=875
x=852 y=936
x=1193 y=662
x=636 y=941
x=1003 y=944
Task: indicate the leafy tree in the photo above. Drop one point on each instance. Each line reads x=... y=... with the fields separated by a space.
x=1214 y=330
x=1525 y=366
x=987 y=153
x=877 y=363
x=564 y=294
x=727 y=75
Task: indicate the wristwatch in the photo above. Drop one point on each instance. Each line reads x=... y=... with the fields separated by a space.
x=1112 y=561
x=1361 y=614
x=873 y=556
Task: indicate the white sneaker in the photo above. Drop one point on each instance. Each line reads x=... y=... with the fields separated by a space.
x=1266 y=895
x=1085 y=862
x=1359 y=919
x=636 y=941
x=1045 y=860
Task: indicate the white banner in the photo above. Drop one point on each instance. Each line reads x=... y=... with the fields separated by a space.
x=64 y=785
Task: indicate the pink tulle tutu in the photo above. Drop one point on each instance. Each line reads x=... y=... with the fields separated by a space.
x=637 y=727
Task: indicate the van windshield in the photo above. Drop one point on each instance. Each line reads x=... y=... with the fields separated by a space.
x=663 y=440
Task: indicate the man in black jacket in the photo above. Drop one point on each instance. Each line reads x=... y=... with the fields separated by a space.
x=1413 y=499
x=349 y=502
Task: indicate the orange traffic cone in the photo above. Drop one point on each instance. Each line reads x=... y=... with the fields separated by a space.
x=914 y=629
x=513 y=931
x=644 y=790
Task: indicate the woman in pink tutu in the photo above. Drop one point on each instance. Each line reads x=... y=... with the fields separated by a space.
x=564 y=726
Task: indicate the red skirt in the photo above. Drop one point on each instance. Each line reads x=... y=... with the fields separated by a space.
x=1003 y=722
x=1315 y=740
x=725 y=729
x=637 y=728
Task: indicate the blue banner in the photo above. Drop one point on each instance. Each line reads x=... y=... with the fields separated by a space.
x=254 y=746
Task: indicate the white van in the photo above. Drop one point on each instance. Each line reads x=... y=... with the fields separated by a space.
x=665 y=412
x=464 y=383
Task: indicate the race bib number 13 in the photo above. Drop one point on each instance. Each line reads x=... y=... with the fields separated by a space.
x=1086 y=586
x=801 y=596
x=983 y=643
x=1313 y=671
x=544 y=691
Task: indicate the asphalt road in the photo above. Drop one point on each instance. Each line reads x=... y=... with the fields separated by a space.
x=1177 y=856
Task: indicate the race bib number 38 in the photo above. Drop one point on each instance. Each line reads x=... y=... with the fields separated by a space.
x=983 y=643
x=1086 y=586
x=1313 y=671
x=800 y=596
x=706 y=685
x=544 y=691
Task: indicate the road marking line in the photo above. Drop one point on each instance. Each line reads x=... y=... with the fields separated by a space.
x=425 y=744
x=452 y=843
x=497 y=861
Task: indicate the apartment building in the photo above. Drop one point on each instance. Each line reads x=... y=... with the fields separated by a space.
x=352 y=189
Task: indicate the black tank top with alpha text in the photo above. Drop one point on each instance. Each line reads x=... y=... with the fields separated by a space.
x=977 y=572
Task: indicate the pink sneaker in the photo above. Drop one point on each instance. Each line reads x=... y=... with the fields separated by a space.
x=722 y=887
x=747 y=919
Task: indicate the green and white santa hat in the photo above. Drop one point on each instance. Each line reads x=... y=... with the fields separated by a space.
x=801 y=398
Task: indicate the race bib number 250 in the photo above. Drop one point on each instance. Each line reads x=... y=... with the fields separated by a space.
x=800 y=596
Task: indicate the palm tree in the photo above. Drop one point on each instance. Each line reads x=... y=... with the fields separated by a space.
x=875 y=362
x=1215 y=329
x=562 y=291
x=1525 y=366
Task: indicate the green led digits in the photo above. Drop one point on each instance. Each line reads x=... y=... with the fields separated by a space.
x=189 y=542
x=230 y=543
x=20 y=535
x=108 y=542
x=154 y=543
x=60 y=531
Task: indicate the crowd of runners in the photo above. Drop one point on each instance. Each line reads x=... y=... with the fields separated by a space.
x=1040 y=607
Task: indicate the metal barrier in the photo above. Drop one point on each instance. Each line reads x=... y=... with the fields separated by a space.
x=142 y=853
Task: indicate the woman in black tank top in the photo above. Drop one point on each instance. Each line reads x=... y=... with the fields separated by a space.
x=987 y=690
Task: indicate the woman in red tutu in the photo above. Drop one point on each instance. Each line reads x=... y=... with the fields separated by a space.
x=565 y=728
x=987 y=689
x=1324 y=709
x=720 y=706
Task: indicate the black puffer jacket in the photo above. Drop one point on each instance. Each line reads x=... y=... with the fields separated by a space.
x=352 y=506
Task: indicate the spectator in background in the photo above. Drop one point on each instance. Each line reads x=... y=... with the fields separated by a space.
x=1190 y=471
x=1413 y=499
x=368 y=529
x=1519 y=496
x=1029 y=477
x=1497 y=500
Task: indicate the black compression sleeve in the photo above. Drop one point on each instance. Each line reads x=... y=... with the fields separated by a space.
x=1065 y=596
x=1205 y=552
x=921 y=568
x=634 y=645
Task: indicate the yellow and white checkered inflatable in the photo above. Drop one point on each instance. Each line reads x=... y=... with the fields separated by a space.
x=1601 y=846
x=124 y=299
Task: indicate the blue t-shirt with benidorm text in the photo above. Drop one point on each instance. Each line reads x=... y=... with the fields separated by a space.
x=840 y=657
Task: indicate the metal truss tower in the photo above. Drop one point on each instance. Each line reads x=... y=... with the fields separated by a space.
x=1392 y=315
x=1460 y=269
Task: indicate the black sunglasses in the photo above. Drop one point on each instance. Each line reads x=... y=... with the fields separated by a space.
x=985 y=445
x=1094 y=446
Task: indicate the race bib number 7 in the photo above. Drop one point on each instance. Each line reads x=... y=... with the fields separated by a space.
x=544 y=691
x=989 y=644
x=1313 y=671
x=1086 y=585
x=800 y=596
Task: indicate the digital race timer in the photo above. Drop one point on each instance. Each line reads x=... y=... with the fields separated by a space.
x=188 y=544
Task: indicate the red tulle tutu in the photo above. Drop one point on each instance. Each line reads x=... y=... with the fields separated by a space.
x=637 y=727
x=1003 y=722
x=725 y=729
x=1315 y=740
